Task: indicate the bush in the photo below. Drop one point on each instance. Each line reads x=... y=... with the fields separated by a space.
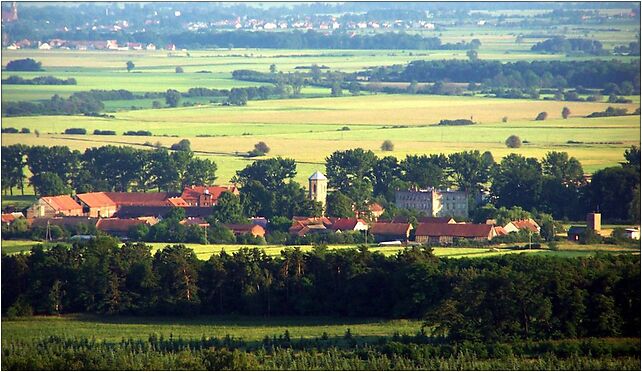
x=260 y=149
x=542 y=116
x=179 y=70
x=99 y=132
x=26 y=64
x=75 y=131
x=566 y=112
x=137 y=133
x=513 y=142
x=387 y=145
x=182 y=145
x=10 y=130
x=456 y=122
x=505 y=119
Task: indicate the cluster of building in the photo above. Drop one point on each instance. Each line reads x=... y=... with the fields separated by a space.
x=308 y=23
x=85 y=45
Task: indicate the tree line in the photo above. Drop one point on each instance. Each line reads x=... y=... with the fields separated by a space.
x=493 y=299
x=58 y=170
x=38 y=80
x=535 y=74
x=561 y=44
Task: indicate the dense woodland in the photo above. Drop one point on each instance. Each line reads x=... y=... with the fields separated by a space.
x=494 y=299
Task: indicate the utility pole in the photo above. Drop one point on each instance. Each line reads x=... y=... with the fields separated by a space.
x=48 y=233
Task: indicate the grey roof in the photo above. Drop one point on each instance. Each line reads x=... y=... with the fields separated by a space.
x=317 y=176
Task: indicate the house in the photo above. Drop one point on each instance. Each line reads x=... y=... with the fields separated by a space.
x=632 y=233
x=9 y=218
x=446 y=233
x=574 y=233
x=198 y=221
x=177 y=202
x=376 y=210
x=261 y=221
x=51 y=206
x=97 y=204
x=348 y=224
x=150 y=46
x=386 y=231
x=44 y=46
x=171 y=47
x=528 y=224
x=305 y=225
x=118 y=226
x=246 y=228
x=433 y=202
x=500 y=231
x=205 y=196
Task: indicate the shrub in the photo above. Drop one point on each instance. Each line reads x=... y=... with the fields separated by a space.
x=75 y=131
x=542 y=116
x=99 y=132
x=260 y=149
x=179 y=70
x=10 y=130
x=137 y=133
x=387 y=145
x=513 y=142
x=456 y=122
x=566 y=112
x=505 y=119
x=182 y=145
x=26 y=64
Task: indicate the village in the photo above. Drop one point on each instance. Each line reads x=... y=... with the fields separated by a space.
x=117 y=213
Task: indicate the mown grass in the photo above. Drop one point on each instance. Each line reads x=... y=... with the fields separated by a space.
x=248 y=328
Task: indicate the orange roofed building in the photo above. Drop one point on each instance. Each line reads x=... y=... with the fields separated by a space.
x=205 y=196
x=51 y=206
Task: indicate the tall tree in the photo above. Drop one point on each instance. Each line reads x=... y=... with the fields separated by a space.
x=272 y=173
x=517 y=182
x=469 y=169
x=425 y=171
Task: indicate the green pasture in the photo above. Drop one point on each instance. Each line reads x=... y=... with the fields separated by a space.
x=247 y=328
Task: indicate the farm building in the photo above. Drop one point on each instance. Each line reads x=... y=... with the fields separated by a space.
x=9 y=218
x=51 y=206
x=386 y=231
x=97 y=204
x=435 y=203
x=302 y=226
x=632 y=233
x=135 y=211
x=574 y=233
x=445 y=233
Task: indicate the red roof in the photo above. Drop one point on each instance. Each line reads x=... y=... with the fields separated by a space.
x=155 y=199
x=526 y=224
x=194 y=192
x=96 y=200
x=461 y=230
x=8 y=218
x=62 y=202
x=345 y=224
x=389 y=228
x=177 y=202
x=500 y=230
x=117 y=224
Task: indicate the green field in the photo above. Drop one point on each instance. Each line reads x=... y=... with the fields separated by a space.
x=308 y=130
x=205 y=251
x=248 y=328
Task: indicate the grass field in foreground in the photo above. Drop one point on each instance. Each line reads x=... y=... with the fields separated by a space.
x=205 y=251
x=248 y=328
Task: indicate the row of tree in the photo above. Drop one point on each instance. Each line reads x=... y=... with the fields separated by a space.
x=535 y=74
x=58 y=170
x=500 y=298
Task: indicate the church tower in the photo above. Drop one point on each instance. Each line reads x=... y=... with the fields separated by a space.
x=318 y=187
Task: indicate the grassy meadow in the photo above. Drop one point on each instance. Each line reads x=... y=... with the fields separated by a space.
x=241 y=327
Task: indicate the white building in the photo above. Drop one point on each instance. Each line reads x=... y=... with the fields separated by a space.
x=435 y=203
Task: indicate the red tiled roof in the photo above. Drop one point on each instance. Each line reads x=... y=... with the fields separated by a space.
x=312 y=220
x=155 y=199
x=177 y=202
x=117 y=224
x=8 y=218
x=345 y=224
x=525 y=224
x=389 y=228
x=96 y=200
x=194 y=192
x=61 y=202
x=462 y=230
x=500 y=230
